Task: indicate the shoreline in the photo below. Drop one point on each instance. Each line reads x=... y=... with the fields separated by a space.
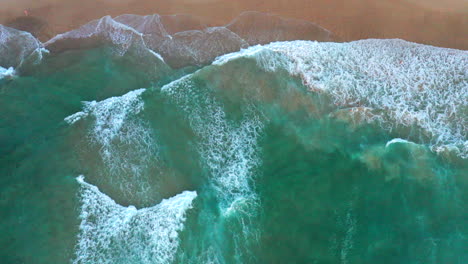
x=350 y=20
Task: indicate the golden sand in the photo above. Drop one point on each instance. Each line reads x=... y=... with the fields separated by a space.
x=434 y=22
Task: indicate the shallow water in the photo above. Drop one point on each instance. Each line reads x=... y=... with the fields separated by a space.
x=280 y=153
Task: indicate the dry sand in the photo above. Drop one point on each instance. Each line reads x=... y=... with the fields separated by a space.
x=435 y=22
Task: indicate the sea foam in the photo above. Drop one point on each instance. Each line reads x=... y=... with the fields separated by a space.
x=412 y=84
x=104 y=30
x=188 y=47
x=263 y=28
x=18 y=48
x=125 y=142
x=229 y=150
x=111 y=233
x=184 y=40
x=123 y=40
x=398 y=140
x=113 y=121
x=7 y=73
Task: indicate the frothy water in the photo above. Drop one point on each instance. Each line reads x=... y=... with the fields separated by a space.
x=113 y=121
x=398 y=140
x=228 y=150
x=178 y=38
x=111 y=233
x=125 y=142
x=7 y=73
x=409 y=84
x=296 y=152
x=19 y=48
x=263 y=28
x=106 y=30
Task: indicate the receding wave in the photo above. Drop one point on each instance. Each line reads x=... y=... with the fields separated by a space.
x=262 y=28
x=182 y=45
x=18 y=48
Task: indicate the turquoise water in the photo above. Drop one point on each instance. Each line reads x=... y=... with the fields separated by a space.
x=293 y=152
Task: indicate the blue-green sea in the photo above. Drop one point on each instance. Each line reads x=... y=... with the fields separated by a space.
x=124 y=142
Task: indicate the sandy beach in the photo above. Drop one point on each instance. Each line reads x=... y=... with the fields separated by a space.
x=428 y=22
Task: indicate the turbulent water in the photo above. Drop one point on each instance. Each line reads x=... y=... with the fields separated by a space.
x=156 y=139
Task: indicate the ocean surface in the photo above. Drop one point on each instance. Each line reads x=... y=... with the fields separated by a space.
x=156 y=139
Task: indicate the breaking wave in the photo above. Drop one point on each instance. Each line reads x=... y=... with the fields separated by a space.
x=111 y=233
x=403 y=84
x=228 y=149
x=125 y=142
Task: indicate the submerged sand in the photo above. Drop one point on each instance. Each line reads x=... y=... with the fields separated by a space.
x=429 y=22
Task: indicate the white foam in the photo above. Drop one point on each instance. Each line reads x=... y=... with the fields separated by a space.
x=250 y=52
x=198 y=46
x=18 y=48
x=112 y=113
x=111 y=233
x=413 y=84
x=201 y=46
x=228 y=150
x=398 y=140
x=7 y=73
x=125 y=141
x=157 y=55
x=262 y=28
x=348 y=241
x=71 y=119
x=109 y=28
x=150 y=24
x=123 y=37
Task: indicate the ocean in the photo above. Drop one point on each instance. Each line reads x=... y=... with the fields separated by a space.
x=138 y=140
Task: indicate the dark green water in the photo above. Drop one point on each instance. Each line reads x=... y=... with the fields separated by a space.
x=232 y=163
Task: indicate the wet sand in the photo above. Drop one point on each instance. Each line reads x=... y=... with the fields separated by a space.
x=422 y=21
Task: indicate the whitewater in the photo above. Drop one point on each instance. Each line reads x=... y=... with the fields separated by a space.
x=231 y=144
